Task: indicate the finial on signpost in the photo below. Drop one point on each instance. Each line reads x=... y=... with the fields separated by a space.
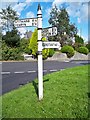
x=39 y=7
x=39 y=12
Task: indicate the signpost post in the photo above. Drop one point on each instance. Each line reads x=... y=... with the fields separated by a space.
x=40 y=64
x=50 y=31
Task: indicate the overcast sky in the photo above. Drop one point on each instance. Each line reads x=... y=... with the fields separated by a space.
x=78 y=12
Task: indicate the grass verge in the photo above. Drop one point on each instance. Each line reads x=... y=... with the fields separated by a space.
x=65 y=96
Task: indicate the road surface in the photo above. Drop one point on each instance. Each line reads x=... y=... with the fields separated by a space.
x=15 y=74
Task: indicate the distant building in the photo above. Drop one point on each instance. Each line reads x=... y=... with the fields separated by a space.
x=28 y=34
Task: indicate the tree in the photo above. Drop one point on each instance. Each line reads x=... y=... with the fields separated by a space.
x=24 y=46
x=0 y=36
x=79 y=42
x=12 y=38
x=34 y=45
x=79 y=39
x=63 y=22
x=54 y=16
x=8 y=17
x=33 y=42
x=60 y=18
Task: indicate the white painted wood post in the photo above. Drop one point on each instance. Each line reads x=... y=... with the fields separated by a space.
x=40 y=62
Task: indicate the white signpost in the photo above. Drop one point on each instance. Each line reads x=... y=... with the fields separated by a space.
x=51 y=44
x=26 y=22
x=40 y=63
x=50 y=31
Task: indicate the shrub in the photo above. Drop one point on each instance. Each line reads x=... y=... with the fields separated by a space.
x=88 y=46
x=77 y=45
x=45 y=53
x=68 y=50
x=83 y=50
x=28 y=50
x=12 y=38
x=24 y=46
x=51 y=52
x=33 y=45
x=9 y=53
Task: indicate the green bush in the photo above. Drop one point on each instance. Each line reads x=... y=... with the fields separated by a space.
x=68 y=50
x=45 y=53
x=28 y=50
x=12 y=38
x=77 y=45
x=88 y=46
x=51 y=52
x=9 y=53
x=83 y=50
x=24 y=46
x=33 y=45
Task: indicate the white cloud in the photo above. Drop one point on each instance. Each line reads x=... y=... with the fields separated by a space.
x=84 y=12
x=9 y=1
x=22 y=31
x=39 y=1
x=75 y=8
x=58 y=2
x=0 y=10
x=47 y=12
x=79 y=20
x=28 y=1
x=78 y=10
x=19 y=7
x=30 y=15
x=85 y=38
x=89 y=10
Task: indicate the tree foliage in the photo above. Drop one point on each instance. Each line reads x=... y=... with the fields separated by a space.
x=54 y=16
x=8 y=17
x=33 y=42
x=60 y=18
x=79 y=39
x=24 y=46
x=12 y=38
x=34 y=45
x=45 y=52
x=9 y=53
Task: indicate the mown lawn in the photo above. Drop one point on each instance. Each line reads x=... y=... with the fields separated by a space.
x=65 y=96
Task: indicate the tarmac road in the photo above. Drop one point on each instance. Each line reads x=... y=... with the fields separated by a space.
x=15 y=74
